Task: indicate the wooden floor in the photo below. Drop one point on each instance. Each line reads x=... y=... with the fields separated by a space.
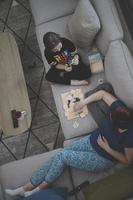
x=45 y=129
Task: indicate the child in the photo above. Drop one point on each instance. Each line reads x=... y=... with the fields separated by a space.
x=66 y=66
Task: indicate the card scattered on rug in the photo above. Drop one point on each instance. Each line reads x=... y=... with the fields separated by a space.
x=69 y=99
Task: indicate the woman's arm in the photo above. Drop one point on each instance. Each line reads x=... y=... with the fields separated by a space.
x=129 y=154
x=100 y=95
x=126 y=158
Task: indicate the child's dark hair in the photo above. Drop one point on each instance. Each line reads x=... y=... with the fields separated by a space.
x=122 y=118
x=51 y=40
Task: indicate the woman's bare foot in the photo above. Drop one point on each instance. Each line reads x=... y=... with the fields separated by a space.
x=77 y=82
x=14 y=192
x=26 y=190
x=28 y=193
x=78 y=106
x=43 y=185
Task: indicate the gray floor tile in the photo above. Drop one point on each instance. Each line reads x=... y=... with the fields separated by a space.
x=4 y=6
x=43 y=116
x=47 y=134
x=18 y=20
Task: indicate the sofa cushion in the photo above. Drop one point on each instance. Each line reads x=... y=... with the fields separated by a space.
x=86 y=124
x=119 y=71
x=110 y=24
x=46 y=10
x=84 y=24
x=17 y=173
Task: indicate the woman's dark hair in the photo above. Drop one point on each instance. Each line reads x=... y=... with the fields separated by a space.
x=51 y=40
x=122 y=118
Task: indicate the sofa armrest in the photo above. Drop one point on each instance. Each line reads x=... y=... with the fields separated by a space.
x=111 y=29
x=119 y=71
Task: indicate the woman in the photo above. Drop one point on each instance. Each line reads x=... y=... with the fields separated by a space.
x=66 y=66
x=94 y=152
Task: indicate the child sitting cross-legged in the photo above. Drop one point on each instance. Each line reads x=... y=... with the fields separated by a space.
x=66 y=66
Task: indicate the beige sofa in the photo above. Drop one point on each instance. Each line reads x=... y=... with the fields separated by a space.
x=51 y=15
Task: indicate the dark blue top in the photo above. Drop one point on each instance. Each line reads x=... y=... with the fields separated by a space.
x=117 y=141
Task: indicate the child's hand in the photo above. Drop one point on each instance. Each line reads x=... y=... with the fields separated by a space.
x=75 y=60
x=68 y=68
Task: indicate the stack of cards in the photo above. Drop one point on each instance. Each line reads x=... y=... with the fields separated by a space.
x=96 y=62
x=69 y=99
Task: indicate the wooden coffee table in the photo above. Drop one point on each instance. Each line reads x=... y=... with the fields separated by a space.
x=13 y=90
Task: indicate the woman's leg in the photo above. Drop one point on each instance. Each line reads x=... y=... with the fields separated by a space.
x=80 y=144
x=89 y=161
x=36 y=183
x=49 y=172
x=30 y=189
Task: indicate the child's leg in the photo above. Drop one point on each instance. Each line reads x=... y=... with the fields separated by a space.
x=55 y=76
x=78 y=82
x=79 y=72
x=83 y=71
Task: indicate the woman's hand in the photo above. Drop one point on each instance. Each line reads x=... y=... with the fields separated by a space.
x=121 y=157
x=78 y=106
x=68 y=68
x=103 y=143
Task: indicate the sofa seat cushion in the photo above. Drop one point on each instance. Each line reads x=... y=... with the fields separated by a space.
x=46 y=10
x=17 y=173
x=84 y=24
x=86 y=124
x=119 y=71
x=110 y=24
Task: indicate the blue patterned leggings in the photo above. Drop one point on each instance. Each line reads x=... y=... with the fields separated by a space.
x=78 y=154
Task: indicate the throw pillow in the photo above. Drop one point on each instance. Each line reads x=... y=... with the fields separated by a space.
x=48 y=194
x=84 y=24
x=118 y=186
